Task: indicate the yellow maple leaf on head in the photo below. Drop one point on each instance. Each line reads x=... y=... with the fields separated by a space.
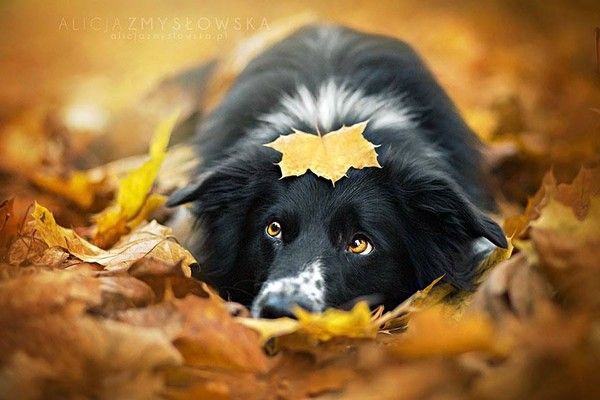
x=329 y=156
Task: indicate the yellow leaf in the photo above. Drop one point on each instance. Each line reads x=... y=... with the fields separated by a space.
x=561 y=219
x=150 y=240
x=355 y=323
x=152 y=203
x=329 y=156
x=270 y=328
x=132 y=194
x=81 y=187
x=137 y=184
x=53 y=235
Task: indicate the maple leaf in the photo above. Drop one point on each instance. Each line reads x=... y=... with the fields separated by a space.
x=132 y=204
x=329 y=156
x=355 y=323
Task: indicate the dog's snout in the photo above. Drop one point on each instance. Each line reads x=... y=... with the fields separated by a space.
x=278 y=297
x=276 y=306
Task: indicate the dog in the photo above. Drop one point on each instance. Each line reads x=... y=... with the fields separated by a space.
x=379 y=233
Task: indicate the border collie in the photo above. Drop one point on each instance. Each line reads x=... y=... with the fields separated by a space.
x=379 y=233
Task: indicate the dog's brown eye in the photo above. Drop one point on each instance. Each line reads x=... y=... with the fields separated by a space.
x=360 y=245
x=274 y=229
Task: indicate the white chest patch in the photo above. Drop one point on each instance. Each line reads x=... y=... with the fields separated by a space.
x=308 y=285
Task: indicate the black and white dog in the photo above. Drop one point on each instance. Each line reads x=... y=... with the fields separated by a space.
x=274 y=243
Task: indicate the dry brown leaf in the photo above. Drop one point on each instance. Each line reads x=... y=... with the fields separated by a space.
x=7 y=225
x=152 y=239
x=568 y=250
x=330 y=155
x=211 y=338
x=164 y=277
x=398 y=317
x=51 y=348
x=514 y=288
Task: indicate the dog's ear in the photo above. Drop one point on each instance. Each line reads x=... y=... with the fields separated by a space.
x=224 y=201
x=441 y=203
x=190 y=192
x=442 y=227
x=226 y=183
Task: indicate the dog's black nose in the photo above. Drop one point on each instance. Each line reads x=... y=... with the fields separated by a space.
x=278 y=307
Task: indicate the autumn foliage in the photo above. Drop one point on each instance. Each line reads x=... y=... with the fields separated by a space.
x=96 y=294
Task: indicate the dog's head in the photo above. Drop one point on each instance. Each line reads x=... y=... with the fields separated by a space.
x=381 y=233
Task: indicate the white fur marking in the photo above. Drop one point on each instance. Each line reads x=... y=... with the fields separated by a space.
x=334 y=102
x=483 y=247
x=309 y=284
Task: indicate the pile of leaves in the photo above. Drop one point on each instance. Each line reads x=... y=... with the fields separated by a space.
x=122 y=318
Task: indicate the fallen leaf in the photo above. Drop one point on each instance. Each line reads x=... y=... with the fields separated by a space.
x=132 y=195
x=398 y=317
x=51 y=348
x=270 y=328
x=211 y=338
x=330 y=155
x=435 y=332
x=204 y=332
x=568 y=250
x=151 y=239
x=355 y=323
x=164 y=276
x=81 y=187
x=514 y=288
x=7 y=226
x=561 y=219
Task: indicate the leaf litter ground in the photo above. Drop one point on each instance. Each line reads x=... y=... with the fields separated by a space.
x=108 y=309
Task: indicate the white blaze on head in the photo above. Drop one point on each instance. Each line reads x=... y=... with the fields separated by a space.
x=334 y=101
x=308 y=286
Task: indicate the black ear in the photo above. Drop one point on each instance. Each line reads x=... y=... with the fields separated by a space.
x=229 y=182
x=224 y=202
x=440 y=202
x=189 y=193
x=442 y=226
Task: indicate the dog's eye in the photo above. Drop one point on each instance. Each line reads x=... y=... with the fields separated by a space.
x=274 y=229
x=360 y=245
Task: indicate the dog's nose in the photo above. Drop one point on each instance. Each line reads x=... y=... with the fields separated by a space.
x=278 y=306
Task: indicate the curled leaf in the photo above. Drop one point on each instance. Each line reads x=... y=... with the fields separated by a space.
x=133 y=204
x=150 y=240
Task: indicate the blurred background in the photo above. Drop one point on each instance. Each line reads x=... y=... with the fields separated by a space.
x=84 y=82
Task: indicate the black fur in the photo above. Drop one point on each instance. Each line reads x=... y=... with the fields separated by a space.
x=422 y=211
